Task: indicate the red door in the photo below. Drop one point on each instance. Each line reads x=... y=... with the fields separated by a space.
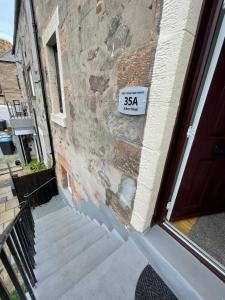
x=202 y=189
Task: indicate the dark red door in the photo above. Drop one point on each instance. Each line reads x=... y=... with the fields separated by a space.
x=202 y=190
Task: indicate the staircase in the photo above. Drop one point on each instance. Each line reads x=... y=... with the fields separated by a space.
x=80 y=258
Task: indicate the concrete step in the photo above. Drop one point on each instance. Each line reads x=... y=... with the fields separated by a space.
x=90 y=209
x=64 y=242
x=76 y=247
x=112 y=222
x=41 y=222
x=44 y=243
x=103 y=215
x=57 y=225
x=115 y=278
x=53 y=205
x=57 y=284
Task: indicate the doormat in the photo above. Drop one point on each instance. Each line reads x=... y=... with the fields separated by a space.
x=151 y=286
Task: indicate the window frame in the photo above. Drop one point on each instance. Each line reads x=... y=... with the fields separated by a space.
x=68 y=178
x=31 y=82
x=27 y=73
x=57 y=115
x=18 y=82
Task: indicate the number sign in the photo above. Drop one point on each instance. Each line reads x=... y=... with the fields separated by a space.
x=132 y=100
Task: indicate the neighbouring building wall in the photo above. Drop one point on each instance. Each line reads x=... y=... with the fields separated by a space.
x=103 y=46
x=28 y=71
x=177 y=32
x=4 y=114
x=5 y=46
x=9 y=88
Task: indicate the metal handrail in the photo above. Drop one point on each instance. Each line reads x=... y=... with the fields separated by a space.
x=19 y=239
x=7 y=231
x=41 y=186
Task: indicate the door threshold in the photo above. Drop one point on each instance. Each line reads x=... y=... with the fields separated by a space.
x=198 y=252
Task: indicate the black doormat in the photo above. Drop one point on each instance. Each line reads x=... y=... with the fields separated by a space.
x=151 y=286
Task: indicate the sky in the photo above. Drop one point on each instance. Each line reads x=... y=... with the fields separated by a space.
x=6 y=19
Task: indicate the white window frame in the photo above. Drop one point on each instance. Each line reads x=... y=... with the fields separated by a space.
x=43 y=146
x=68 y=182
x=31 y=82
x=53 y=28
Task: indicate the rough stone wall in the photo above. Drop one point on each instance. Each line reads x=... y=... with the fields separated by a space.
x=25 y=54
x=105 y=45
x=8 y=82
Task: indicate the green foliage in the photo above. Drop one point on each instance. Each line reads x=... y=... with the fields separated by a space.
x=36 y=166
x=14 y=295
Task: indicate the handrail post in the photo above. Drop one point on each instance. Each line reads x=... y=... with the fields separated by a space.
x=12 y=275
x=20 y=267
x=27 y=266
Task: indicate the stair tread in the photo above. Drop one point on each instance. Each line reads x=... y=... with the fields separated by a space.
x=95 y=213
x=114 y=223
x=111 y=280
x=59 y=224
x=51 y=216
x=63 y=243
x=57 y=261
x=60 y=282
x=45 y=243
x=48 y=207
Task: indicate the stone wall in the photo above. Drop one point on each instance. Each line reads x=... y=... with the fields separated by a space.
x=9 y=83
x=26 y=57
x=105 y=46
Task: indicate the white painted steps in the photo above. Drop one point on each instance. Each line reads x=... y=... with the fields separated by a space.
x=72 y=249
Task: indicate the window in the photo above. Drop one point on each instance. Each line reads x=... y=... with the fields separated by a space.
x=51 y=43
x=66 y=179
x=55 y=70
x=68 y=182
x=17 y=106
x=30 y=83
x=18 y=82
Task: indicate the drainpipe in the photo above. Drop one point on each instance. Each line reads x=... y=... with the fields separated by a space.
x=39 y=148
x=40 y=67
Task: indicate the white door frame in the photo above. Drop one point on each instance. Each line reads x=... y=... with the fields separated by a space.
x=193 y=127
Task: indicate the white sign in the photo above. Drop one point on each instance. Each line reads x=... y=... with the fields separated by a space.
x=132 y=100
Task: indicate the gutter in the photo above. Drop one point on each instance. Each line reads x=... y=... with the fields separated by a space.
x=16 y=21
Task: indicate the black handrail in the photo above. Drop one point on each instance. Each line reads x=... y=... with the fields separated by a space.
x=27 y=195
x=7 y=231
x=19 y=238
